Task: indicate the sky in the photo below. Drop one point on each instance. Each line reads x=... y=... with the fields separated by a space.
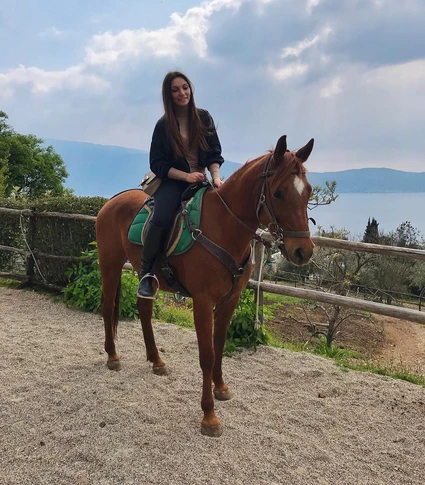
x=348 y=73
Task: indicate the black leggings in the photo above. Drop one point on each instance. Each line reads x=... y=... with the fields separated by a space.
x=167 y=200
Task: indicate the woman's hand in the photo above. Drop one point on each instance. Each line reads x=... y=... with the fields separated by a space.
x=218 y=182
x=194 y=177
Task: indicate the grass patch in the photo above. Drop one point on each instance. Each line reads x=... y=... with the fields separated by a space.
x=170 y=310
x=178 y=316
x=273 y=298
x=334 y=352
x=293 y=346
x=349 y=359
x=393 y=371
x=6 y=283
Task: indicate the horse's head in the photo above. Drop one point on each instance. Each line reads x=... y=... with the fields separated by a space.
x=283 y=201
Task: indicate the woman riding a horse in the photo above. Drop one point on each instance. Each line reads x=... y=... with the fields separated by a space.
x=184 y=144
x=271 y=190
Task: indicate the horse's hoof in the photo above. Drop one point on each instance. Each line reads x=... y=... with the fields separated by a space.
x=214 y=431
x=161 y=370
x=113 y=365
x=223 y=395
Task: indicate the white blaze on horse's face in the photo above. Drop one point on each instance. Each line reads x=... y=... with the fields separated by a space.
x=299 y=184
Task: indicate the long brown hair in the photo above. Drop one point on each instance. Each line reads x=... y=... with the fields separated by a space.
x=197 y=130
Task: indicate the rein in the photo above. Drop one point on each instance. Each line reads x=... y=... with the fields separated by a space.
x=237 y=270
x=278 y=234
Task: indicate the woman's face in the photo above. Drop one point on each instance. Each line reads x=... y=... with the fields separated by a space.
x=180 y=91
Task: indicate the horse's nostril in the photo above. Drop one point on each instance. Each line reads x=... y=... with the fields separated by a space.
x=299 y=254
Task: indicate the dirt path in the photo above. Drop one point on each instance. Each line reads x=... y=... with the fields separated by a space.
x=404 y=344
x=295 y=419
x=390 y=341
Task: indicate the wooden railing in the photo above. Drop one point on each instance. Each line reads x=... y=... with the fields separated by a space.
x=355 y=303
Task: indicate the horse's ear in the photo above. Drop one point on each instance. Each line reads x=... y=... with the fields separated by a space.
x=280 y=149
x=304 y=152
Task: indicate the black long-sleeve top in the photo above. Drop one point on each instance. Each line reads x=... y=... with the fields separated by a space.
x=161 y=156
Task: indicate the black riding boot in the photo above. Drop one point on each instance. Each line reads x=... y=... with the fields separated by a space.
x=154 y=241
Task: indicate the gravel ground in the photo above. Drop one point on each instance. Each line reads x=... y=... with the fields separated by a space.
x=295 y=418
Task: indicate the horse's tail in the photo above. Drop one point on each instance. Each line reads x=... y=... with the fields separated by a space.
x=117 y=308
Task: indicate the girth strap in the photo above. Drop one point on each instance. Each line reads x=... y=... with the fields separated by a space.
x=221 y=254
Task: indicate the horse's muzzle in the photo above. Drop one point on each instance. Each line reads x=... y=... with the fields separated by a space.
x=299 y=254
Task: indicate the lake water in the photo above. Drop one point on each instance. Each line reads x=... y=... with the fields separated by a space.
x=352 y=211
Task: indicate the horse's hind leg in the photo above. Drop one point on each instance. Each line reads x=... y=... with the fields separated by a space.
x=222 y=317
x=145 y=307
x=111 y=286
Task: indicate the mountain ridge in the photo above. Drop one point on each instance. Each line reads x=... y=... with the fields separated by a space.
x=105 y=170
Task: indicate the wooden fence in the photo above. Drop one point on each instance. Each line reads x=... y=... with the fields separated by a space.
x=30 y=254
x=255 y=284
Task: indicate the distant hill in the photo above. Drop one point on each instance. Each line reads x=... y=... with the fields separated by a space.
x=105 y=170
x=372 y=180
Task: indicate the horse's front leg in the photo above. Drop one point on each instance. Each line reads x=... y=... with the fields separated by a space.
x=145 y=308
x=203 y=316
x=222 y=317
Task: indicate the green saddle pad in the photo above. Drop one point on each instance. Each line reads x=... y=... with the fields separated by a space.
x=181 y=240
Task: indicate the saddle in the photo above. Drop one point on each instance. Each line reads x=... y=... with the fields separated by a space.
x=180 y=238
x=185 y=231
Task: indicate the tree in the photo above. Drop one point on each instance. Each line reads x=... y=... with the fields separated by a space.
x=371 y=234
x=336 y=271
x=418 y=280
x=407 y=236
x=323 y=195
x=390 y=276
x=3 y=172
x=26 y=167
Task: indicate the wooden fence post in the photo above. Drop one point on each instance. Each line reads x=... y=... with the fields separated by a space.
x=32 y=226
x=258 y=276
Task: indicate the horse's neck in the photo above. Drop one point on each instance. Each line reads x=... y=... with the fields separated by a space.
x=241 y=193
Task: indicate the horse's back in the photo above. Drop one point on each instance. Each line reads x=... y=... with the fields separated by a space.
x=120 y=210
x=127 y=202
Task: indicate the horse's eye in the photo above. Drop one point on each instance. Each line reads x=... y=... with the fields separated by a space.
x=278 y=194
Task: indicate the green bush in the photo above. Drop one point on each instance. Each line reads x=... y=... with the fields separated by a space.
x=69 y=204
x=242 y=331
x=85 y=287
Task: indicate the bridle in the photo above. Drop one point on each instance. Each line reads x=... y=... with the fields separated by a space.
x=237 y=269
x=278 y=233
x=275 y=230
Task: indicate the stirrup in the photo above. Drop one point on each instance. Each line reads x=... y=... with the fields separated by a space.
x=153 y=276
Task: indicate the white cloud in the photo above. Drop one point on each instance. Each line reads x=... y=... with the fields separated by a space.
x=290 y=70
x=409 y=75
x=311 y=5
x=45 y=81
x=184 y=32
x=400 y=82
x=297 y=68
x=332 y=89
x=52 y=32
x=301 y=46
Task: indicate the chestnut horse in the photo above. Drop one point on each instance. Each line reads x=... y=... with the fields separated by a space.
x=271 y=190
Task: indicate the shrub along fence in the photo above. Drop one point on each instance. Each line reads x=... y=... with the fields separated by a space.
x=49 y=242
x=38 y=243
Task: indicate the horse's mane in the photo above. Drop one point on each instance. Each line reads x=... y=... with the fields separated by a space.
x=283 y=169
